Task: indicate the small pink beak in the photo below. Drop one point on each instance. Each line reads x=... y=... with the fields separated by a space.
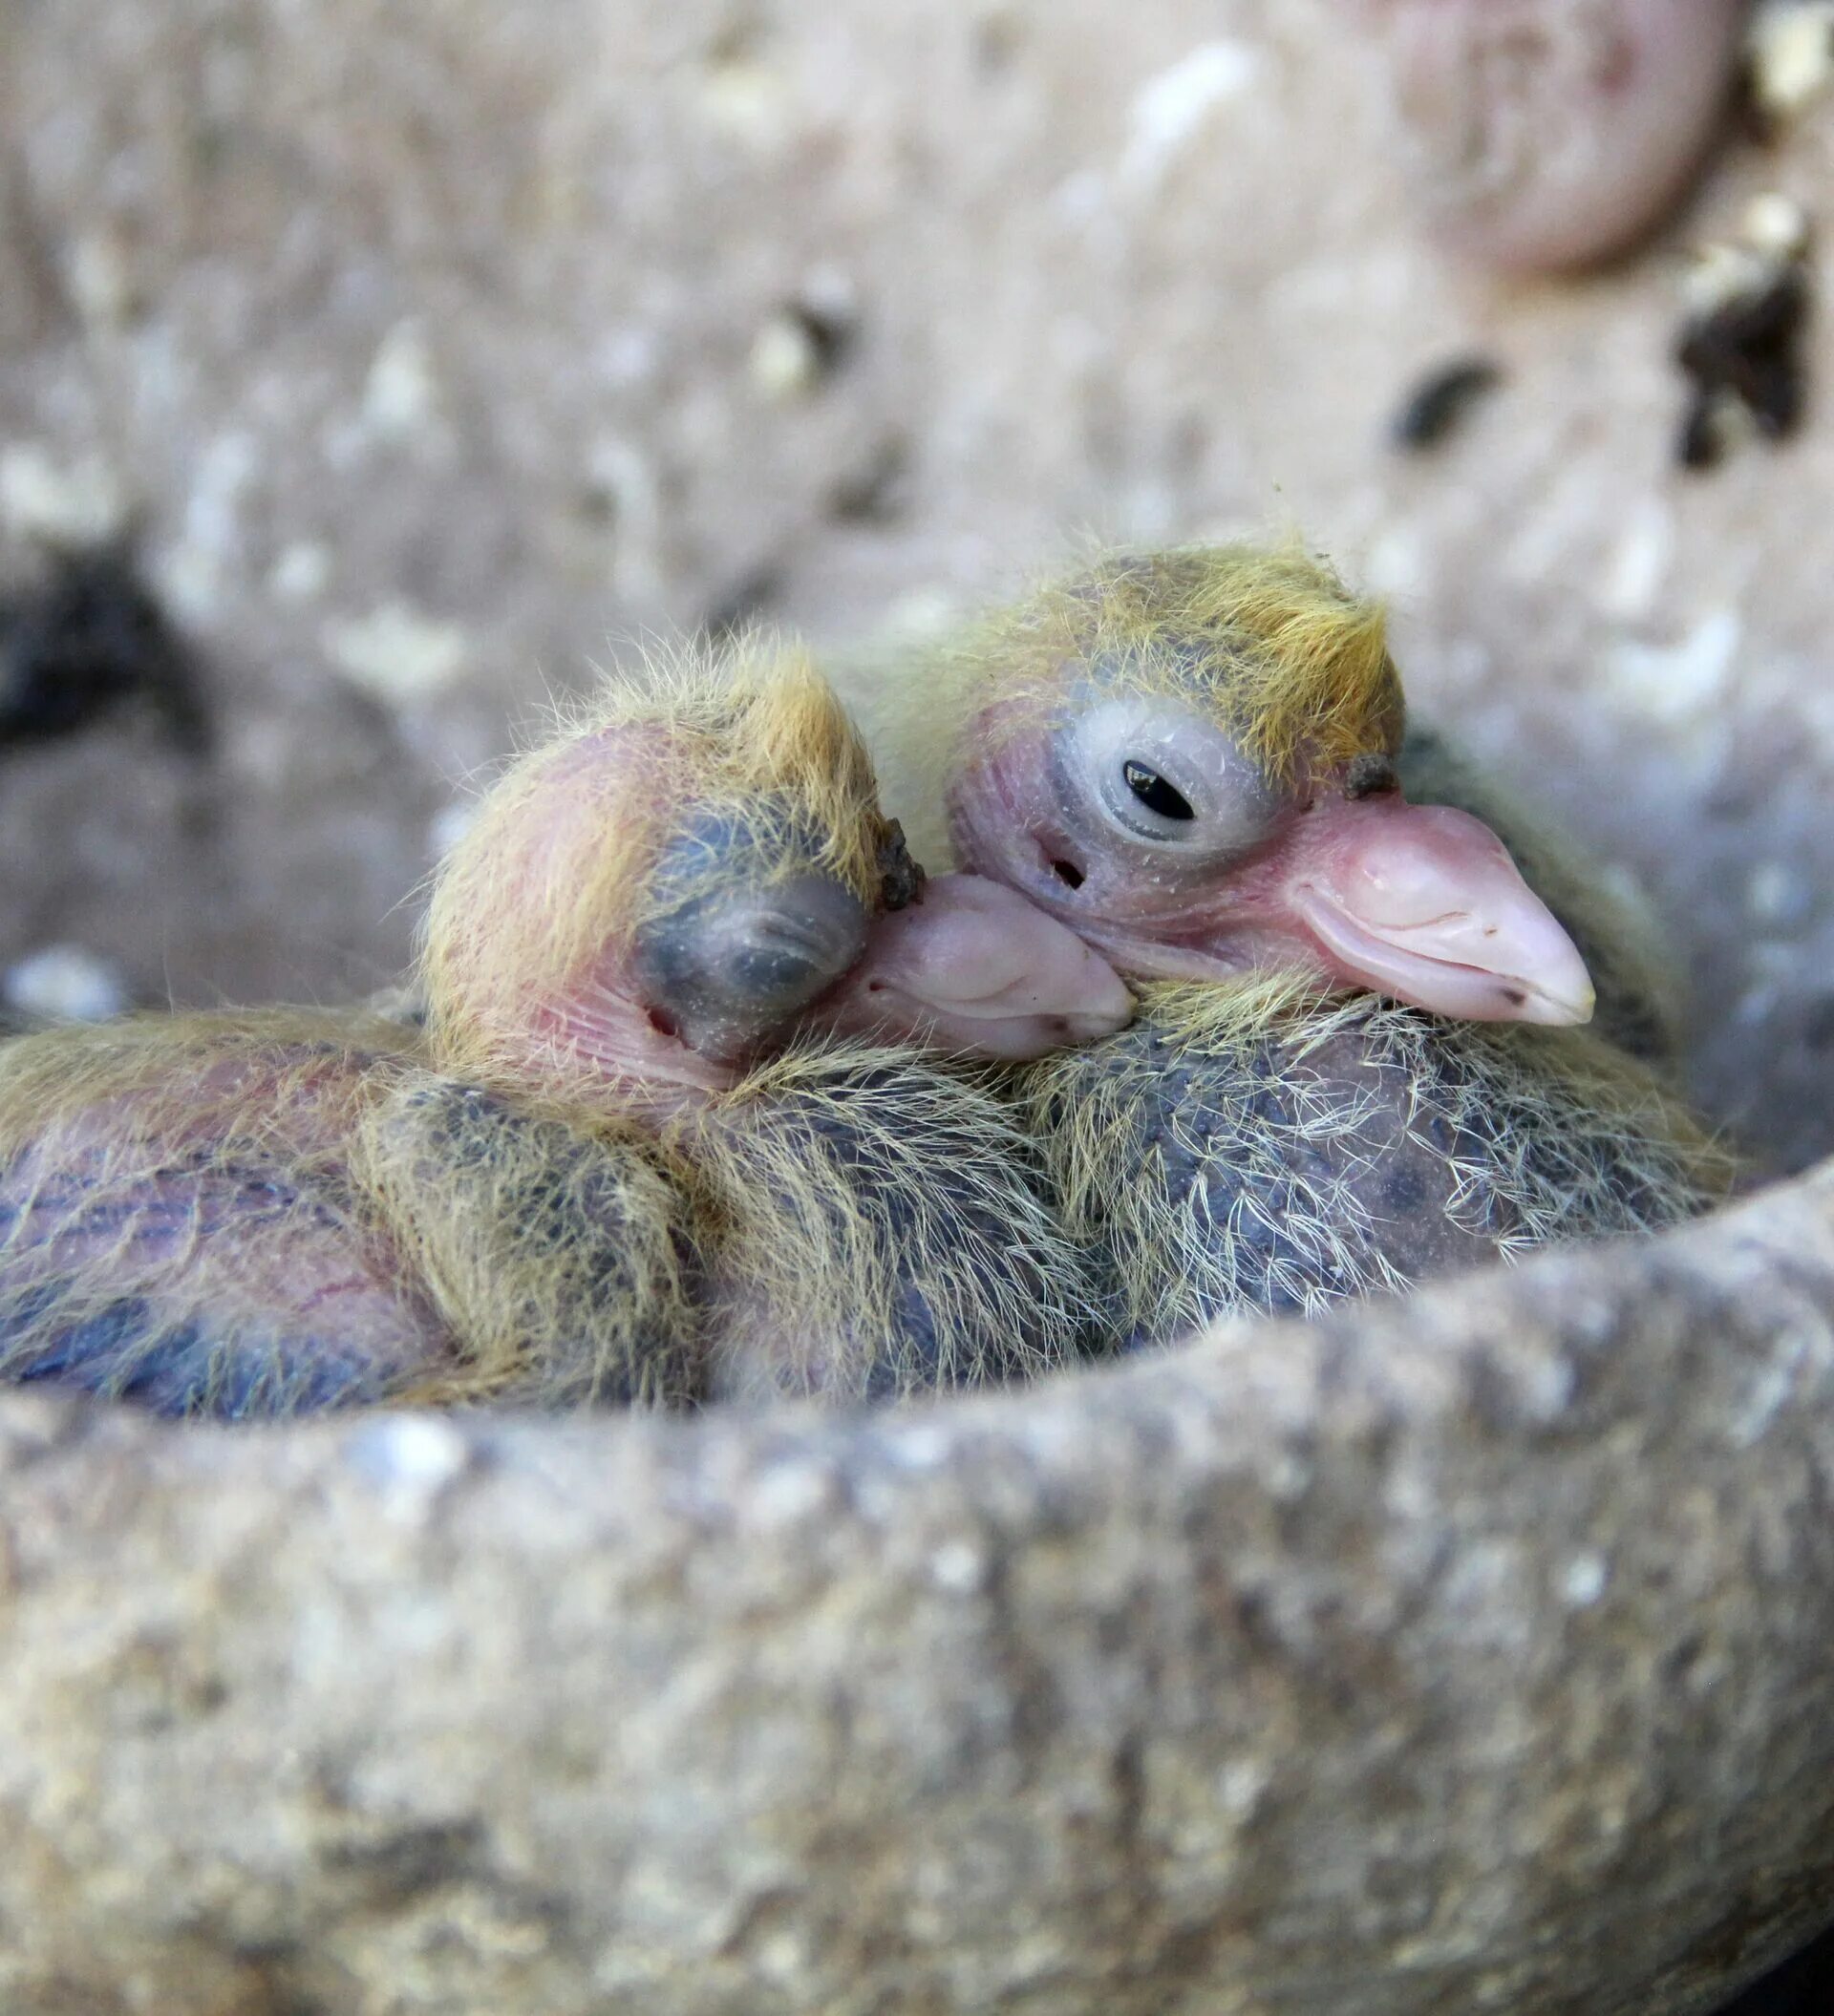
x=1423 y=903
x=974 y=966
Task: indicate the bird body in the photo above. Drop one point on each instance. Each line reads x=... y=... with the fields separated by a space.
x=885 y=1229
x=1252 y=1147
x=669 y=1132
x=1357 y=1062
x=181 y=1224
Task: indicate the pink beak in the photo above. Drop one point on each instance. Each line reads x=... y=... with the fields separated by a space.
x=973 y=966
x=1423 y=903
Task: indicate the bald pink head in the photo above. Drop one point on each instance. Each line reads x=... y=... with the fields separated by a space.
x=1139 y=822
x=635 y=913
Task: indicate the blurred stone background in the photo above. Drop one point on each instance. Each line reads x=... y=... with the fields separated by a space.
x=431 y=352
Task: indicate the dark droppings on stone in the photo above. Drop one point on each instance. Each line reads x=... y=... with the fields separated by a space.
x=1441 y=402
x=1744 y=356
x=89 y=639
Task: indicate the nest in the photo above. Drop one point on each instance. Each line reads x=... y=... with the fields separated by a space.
x=1463 y=1652
x=1467 y=1653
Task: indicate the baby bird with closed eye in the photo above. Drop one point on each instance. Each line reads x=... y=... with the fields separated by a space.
x=668 y=1135
x=1358 y=1060
x=746 y=953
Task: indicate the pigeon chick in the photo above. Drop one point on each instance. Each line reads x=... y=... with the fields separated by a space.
x=742 y=950
x=666 y=1134
x=1358 y=1060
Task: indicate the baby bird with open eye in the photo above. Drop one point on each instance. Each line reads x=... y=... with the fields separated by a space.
x=1358 y=1060
x=668 y=1135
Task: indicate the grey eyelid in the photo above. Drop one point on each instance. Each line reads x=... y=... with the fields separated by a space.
x=1232 y=808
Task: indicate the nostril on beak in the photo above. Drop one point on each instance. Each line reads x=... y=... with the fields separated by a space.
x=1068 y=874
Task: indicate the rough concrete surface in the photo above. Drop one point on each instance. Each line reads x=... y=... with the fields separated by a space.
x=1463 y=1657
x=1467 y=1656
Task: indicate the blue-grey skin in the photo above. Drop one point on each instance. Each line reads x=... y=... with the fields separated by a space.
x=158 y=1349
x=1343 y=1148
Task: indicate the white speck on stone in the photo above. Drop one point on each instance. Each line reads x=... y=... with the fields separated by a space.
x=922 y=1448
x=628 y=356
x=789 y=1493
x=1683 y=681
x=449 y=825
x=746 y=101
x=1169 y=110
x=1239 y=1785
x=1584 y=1581
x=1638 y=563
x=1777 y=225
x=401 y=394
x=959 y=1567
x=189 y=579
x=621 y=471
x=1719 y=273
x=193 y=572
x=396 y=654
x=1398 y=564
x=75 y=504
x=1548 y=1387
x=65 y=982
x=410 y=1455
x=782 y=1956
x=213 y=510
x=786 y=360
x=101 y=279
x=301 y=573
x=1791 y=49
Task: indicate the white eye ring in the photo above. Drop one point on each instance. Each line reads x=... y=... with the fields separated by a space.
x=1158 y=774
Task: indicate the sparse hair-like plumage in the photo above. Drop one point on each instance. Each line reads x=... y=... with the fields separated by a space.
x=1285 y=658
x=882 y=1231
x=1237 y=1150
x=1267 y=640
x=558 y=1260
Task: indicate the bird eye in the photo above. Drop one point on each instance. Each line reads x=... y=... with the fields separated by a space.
x=1148 y=770
x=1154 y=793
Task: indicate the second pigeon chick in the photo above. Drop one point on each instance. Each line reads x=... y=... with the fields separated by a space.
x=1357 y=1061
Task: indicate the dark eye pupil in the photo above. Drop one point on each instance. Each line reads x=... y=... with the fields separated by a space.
x=1155 y=793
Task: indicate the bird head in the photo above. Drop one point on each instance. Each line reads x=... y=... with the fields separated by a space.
x=1188 y=757
x=694 y=870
